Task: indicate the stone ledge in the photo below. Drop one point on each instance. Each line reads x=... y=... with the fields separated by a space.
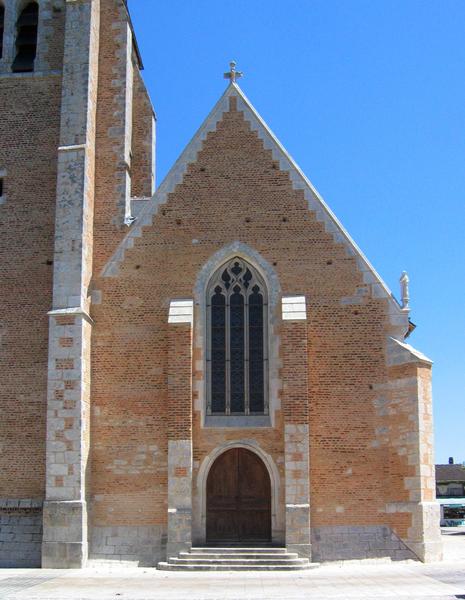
x=400 y=353
x=20 y=504
x=31 y=75
x=237 y=421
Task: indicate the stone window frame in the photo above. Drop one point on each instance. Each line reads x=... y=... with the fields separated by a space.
x=21 y=8
x=271 y=281
x=13 y=9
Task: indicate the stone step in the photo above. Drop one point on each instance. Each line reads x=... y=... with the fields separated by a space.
x=237 y=561
x=239 y=555
x=235 y=558
x=239 y=549
x=164 y=566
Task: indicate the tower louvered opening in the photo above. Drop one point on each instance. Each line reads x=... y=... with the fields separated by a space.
x=26 y=39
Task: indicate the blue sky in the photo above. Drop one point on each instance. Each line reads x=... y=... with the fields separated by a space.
x=368 y=96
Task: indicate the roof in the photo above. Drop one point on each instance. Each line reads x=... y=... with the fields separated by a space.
x=450 y=473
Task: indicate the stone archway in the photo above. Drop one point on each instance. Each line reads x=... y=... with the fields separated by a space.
x=238 y=499
x=199 y=500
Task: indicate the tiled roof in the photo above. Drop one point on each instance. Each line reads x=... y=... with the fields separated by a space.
x=450 y=473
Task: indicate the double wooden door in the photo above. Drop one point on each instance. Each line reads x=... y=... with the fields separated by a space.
x=238 y=499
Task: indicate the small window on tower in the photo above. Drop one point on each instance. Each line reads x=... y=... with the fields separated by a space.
x=2 y=189
x=2 y=21
x=26 y=39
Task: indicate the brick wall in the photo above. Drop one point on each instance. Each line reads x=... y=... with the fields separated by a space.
x=236 y=191
x=28 y=154
x=28 y=161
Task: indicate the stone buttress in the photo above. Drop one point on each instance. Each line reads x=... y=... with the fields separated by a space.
x=68 y=434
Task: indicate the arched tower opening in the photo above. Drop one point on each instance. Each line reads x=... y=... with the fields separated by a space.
x=26 y=38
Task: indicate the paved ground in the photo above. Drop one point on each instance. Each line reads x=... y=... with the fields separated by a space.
x=402 y=581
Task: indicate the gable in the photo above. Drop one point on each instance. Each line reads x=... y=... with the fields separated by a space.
x=315 y=203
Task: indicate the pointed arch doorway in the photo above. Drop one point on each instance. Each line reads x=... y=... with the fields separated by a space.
x=238 y=507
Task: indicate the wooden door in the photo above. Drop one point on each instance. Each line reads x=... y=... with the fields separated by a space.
x=238 y=499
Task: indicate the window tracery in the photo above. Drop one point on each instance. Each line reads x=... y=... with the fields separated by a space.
x=237 y=348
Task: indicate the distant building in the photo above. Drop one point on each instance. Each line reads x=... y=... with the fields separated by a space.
x=450 y=493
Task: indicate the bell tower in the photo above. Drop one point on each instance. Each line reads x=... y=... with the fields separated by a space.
x=78 y=129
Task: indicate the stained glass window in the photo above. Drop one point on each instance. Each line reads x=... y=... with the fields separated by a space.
x=237 y=340
x=256 y=355
x=218 y=351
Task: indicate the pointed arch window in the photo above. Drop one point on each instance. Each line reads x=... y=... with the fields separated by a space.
x=26 y=39
x=237 y=341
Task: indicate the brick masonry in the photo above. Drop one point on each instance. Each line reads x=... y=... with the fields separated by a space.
x=256 y=206
x=28 y=160
x=104 y=398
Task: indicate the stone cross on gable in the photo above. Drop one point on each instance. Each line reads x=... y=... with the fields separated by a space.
x=233 y=74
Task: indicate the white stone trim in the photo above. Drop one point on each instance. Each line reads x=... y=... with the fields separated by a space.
x=378 y=289
x=181 y=311
x=400 y=353
x=237 y=421
x=294 y=308
x=72 y=148
x=75 y=311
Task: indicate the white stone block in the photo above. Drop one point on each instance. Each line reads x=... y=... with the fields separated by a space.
x=294 y=308
x=58 y=469
x=181 y=311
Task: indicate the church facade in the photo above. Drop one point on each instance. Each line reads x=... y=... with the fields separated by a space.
x=213 y=362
